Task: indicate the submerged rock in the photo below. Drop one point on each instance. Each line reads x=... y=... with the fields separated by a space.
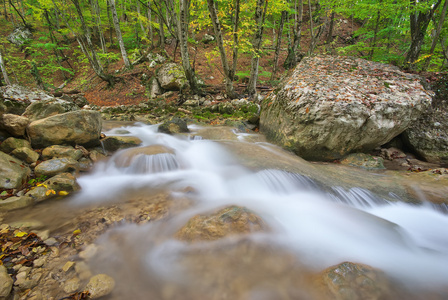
x=100 y=285
x=113 y=143
x=331 y=106
x=72 y=128
x=364 y=161
x=225 y=222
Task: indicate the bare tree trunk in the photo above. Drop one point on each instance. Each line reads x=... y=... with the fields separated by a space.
x=5 y=74
x=124 y=54
x=330 y=30
x=182 y=25
x=139 y=19
x=375 y=35
x=279 y=42
x=320 y=30
x=260 y=14
x=151 y=33
x=293 y=47
x=218 y=33
x=437 y=34
x=97 y=18
x=235 y=39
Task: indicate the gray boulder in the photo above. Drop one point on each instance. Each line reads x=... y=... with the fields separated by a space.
x=23 y=95
x=72 y=128
x=61 y=151
x=19 y=36
x=55 y=166
x=14 y=124
x=172 y=77
x=11 y=143
x=175 y=125
x=26 y=154
x=46 y=108
x=331 y=106
x=13 y=173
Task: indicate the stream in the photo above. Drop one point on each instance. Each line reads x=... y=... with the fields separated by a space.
x=319 y=215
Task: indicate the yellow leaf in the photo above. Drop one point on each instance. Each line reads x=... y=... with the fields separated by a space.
x=63 y=193
x=77 y=231
x=49 y=192
x=21 y=233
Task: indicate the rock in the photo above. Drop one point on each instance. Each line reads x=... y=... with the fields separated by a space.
x=68 y=266
x=72 y=285
x=172 y=77
x=77 y=99
x=85 y=164
x=83 y=270
x=364 y=161
x=100 y=285
x=55 y=166
x=72 y=128
x=392 y=153
x=26 y=154
x=10 y=144
x=61 y=151
x=15 y=203
x=208 y=38
x=224 y=222
x=155 y=89
x=113 y=143
x=350 y=281
x=125 y=158
x=175 y=125
x=96 y=156
x=89 y=252
x=4 y=135
x=13 y=174
x=331 y=106
x=20 y=35
x=47 y=108
x=14 y=124
x=21 y=97
x=6 y=282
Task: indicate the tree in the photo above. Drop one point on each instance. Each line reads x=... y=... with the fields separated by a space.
x=4 y=73
x=294 y=44
x=124 y=54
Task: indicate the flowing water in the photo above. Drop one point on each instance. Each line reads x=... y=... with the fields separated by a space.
x=316 y=220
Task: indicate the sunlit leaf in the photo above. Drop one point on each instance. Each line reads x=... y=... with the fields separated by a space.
x=21 y=234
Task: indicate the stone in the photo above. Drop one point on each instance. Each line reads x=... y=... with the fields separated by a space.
x=55 y=166
x=72 y=285
x=100 y=285
x=61 y=151
x=85 y=164
x=392 y=153
x=6 y=282
x=83 y=270
x=11 y=143
x=173 y=126
x=21 y=96
x=25 y=154
x=331 y=106
x=362 y=160
x=20 y=35
x=171 y=77
x=47 y=108
x=61 y=184
x=72 y=128
x=233 y=220
x=113 y=143
x=155 y=89
x=68 y=266
x=208 y=38
x=88 y=252
x=14 y=124
x=348 y=281
x=13 y=173
x=126 y=157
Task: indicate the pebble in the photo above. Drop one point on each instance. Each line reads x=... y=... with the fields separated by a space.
x=72 y=285
x=68 y=266
x=100 y=285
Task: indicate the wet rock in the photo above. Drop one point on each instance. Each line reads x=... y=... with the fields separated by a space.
x=125 y=158
x=6 y=282
x=13 y=174
x=72 y=128
x=55 y=166
x=362 y=160
x=72 y=285
x=47 y=108
x=175 y=125
x=85 y=164
x=96 y=156
x=26 y=154
x=331 y=106
x=14 y=124
x=224 y=222
x=68 y=266
x=172 y=77
x=83 y=270
x=61 y=151
x=113 y=143
x=351 y=281
x=11 y=143
x=88 y=252
x=100 y=285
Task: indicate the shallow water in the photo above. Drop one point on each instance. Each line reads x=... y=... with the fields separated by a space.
x=317 y=220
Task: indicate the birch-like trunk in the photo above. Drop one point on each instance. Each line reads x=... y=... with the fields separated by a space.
x=278 y=44
x=235 y=39
x=5 y=74
x=260 y=14
x=293 y=46
x=222 y=51
x=437 y=33
x=124 y=54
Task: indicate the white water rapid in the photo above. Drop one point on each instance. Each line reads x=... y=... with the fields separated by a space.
x=321 y=225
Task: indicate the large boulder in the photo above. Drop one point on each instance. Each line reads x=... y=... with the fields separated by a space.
x=14 y=124
x=11 y=143
x=20 y=36
x=23 y=94
x=13 y=173
x=173 y=126
x=172 y=77
x=428 y=136
x=72 y=128
x=46 y=108
x=331 y=106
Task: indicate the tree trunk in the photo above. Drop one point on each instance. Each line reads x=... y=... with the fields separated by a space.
x=182 y=27
x=330 y=30
x=437 y=33
x=236 y=21
x=124 y=54
x=321 y=27
x=260 y=14
x=151 y=34
x=375 y=35
x=279 y=42
x=5 y=74
x=291 y=60
x=218 y=33
x=97 y=18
